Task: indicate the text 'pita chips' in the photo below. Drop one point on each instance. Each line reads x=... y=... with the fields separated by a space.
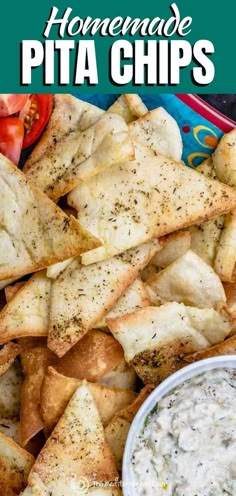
x=130 y=107
x=35 y=233
x=134 y=298
x=154 y=338
x=69 y=113
x=189 y=280
x=117 y=430
x=147 y=198
x=15 y=465
x=82 y=155
x=159 y=131
x=82 y=295
x=175 y=246
x=34 y=363
x=94 y=356
x=77 y=448
x=58 y=389
x=28 y=311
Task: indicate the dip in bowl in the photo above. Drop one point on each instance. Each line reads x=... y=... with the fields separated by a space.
x=182 y=442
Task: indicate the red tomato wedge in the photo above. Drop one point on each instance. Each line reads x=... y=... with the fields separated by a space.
x=11 y=138
x=35 y=116
x=11 y=104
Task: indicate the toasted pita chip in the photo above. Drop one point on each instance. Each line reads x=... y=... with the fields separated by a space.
x=27 y=314
x=11 y=290
x=69 y=113
x=55 y=270
x=8 y=353
x=129 y=107
x=227 y=347
x=10 y=389
x=137 y=206
x=226 y=251
x=57 y=390
x=95 y=355
x=154 y=339
x=15 y=465
x=82 y=295
x=82 y=155
x=175 y=246
x=10 y=428
x=35 y=363
x=62 y=463
x=224 y=158
x=189 y=280
x=215 y=326
x=207 y=168
x=117 y=430
x=35 y=232
x=123 y=376
x=134 y=298
x=158 y=130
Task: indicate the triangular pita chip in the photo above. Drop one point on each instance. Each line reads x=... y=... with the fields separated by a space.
x=77 y=448
x=58 y=389
x=8 y=353
x=35 y=363
x=82 y=295
x=175 y=246
x=149 y=197
x=15 y=465
x=94 y=356
x=81 y=155
x=117 y=430
x=154 y=339
x=159 y=131
x=129 y=107
x=227 y=347
x=134 y=298
x=28 y=312
x=189 y=280
x=69 y=113
x=35 y=233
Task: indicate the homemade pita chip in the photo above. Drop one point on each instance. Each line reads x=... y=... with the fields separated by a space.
x=226 y=251
x=122 y=376
x=189 y=280
x=175 y=245
x=117 y=430
x=69 y=114
x=35 y=232
x=137 y=206
x=224 y=158
x=227 y=347
x=61 y=463
x=28 y=312
x=34 y=363
x=160 y=132
x=130 y=107
x=215 y=326
x=10 y=390
x=134 y=298
x=95 y=355
x=8 y=353
x=82 y=155
x=82 y=295
x=57 y=390
x=154 y=339
x=15 y=465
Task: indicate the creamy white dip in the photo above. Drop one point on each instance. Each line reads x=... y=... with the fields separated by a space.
x=188 y=443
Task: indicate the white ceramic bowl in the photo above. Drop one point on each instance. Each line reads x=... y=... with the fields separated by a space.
x=162 y=390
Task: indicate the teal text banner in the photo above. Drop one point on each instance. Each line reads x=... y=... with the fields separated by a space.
x=199 y=57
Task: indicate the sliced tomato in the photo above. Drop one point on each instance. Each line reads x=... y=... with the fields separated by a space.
x=11 y=104
x=11 y=138
x=35 y=116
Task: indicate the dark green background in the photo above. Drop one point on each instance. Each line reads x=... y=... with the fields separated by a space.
x=26 y=20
